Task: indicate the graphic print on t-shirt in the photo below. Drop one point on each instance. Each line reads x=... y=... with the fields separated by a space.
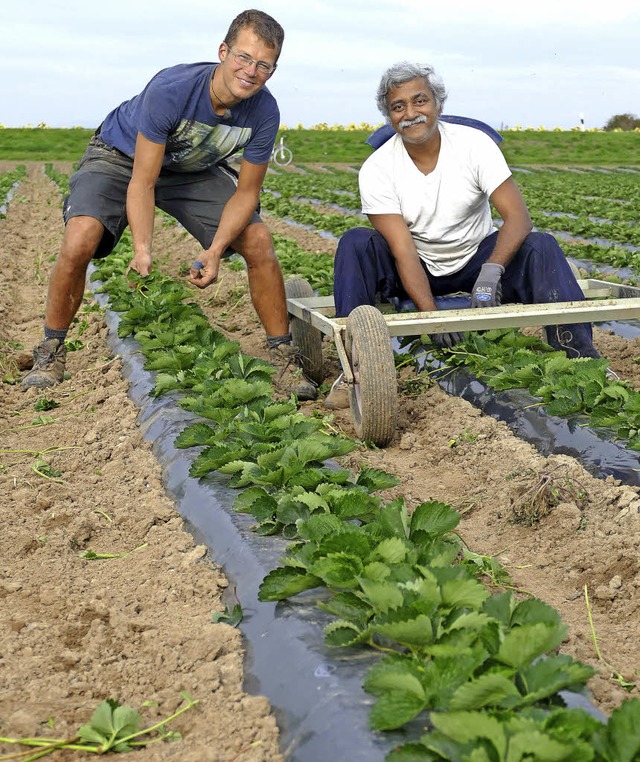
x=194 y=146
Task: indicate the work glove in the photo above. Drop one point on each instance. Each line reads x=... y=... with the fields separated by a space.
x=446 y=340
x=487 y=290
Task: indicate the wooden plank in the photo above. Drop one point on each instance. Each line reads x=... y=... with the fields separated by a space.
x=319 y=311
x=512 y=316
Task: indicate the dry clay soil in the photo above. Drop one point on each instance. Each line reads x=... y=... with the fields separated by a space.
x=138 y=628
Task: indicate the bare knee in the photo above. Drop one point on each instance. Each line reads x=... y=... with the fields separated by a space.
x=82 y=236
x=255 y=245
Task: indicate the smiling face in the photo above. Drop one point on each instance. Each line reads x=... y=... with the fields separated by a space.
x=237 y=80
x=413 y=112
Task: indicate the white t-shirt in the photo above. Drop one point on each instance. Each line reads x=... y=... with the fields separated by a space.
x=447 y=211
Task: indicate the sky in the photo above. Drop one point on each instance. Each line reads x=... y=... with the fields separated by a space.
x=538 y=63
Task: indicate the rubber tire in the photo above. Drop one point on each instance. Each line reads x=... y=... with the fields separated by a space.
x=282 y=157
x=307 y=338
x=374 y=396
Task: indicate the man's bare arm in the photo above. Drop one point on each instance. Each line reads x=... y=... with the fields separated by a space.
x=235 y=217
x=394 y=230
x=147 y=164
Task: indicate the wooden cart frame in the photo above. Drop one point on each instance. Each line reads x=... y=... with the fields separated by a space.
x=363 y=343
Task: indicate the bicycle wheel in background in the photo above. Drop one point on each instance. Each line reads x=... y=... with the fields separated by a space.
x=282 y=156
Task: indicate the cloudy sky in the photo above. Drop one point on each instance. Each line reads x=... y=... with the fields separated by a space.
x=535 y=63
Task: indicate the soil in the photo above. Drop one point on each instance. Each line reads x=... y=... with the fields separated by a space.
x=138 y=628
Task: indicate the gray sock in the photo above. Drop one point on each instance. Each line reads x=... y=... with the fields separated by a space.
x=56 y=333
x=275 y=341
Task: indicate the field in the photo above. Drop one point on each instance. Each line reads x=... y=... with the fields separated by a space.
x=81 y=481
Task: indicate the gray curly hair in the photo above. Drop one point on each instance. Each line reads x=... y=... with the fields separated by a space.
x=403 y=72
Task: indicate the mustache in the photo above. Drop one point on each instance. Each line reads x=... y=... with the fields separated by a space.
x=421 y=119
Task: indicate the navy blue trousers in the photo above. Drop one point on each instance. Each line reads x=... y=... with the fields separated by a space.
x=365 y=272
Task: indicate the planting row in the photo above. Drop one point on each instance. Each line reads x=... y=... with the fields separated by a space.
x=403 y=585
x=8 y=181
x=589 y=205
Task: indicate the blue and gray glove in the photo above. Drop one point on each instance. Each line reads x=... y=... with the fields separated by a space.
x=446 y=340
x=487 y=290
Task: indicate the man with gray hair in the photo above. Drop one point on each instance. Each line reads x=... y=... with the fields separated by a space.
x=427 y=193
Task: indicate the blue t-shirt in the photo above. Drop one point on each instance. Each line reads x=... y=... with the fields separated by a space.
x=175 y=109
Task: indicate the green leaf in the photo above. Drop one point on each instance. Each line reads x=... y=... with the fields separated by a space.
x=125 y=721
x=544 y=678
x=318 y=526
x=416 y=632
x=619 y=740
x=487 y=690
x=347 y=605
x=247 y=497
x=469 y=726
x=499 y=607
x=462 y=593
x=282 y=583
x=524 y=644
x=535 y=744
x=394 y=709
x=374 y=480
x=394 y=674
x=218 y=458
x=394 y=520
x=353 y=505
x=376 y=570
x=338 y=570
x=381 y=595
x=392 y=551
x=195 y=435
x=349 y=540
x=413 y=752
x=342 y=634
x=565 y=403
x=313 y=501
x=534 y=611
x=89 y=734
x=110 y=718
x=231 y=617
x=434 y=518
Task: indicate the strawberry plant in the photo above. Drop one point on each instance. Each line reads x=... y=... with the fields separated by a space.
x=479 y=669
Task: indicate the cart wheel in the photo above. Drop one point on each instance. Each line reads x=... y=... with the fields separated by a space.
x=374 y=396
x=307 y=338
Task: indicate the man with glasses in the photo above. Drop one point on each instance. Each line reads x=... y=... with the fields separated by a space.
x=167 y=147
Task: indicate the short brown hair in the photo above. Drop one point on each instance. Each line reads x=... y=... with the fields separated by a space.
x=266 y=27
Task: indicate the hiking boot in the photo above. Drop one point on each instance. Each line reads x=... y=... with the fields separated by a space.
x=49 y=358
x=338 y=397
x=289 y=378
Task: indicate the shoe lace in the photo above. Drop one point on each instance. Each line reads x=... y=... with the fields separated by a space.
x=44 y=355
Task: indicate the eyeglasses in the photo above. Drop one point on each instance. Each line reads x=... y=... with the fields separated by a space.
x=246 y=61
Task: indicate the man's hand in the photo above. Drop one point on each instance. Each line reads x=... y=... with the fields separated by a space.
x=204 y=271
x=487 y=291
x=141 y=263
x=447 y=340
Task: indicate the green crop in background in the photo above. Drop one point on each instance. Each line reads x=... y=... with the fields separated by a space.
x=43 y=143
x=524 y=147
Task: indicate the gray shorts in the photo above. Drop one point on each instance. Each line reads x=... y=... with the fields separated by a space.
x=98 y=189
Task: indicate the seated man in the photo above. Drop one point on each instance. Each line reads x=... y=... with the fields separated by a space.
x=426 y=191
